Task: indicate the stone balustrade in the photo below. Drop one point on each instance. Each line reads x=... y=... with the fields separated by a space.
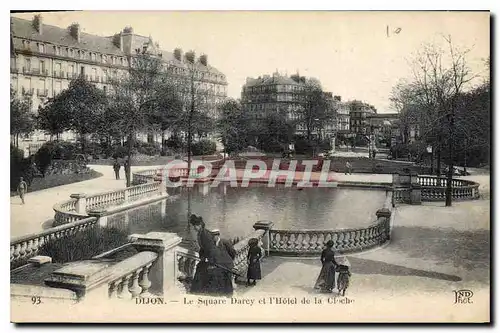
x=186 y=264
x=414 y=189
x=25 y=247
x=130 y=278
x=80 y=205
x=312 y=242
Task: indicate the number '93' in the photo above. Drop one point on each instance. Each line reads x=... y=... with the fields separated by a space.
x=36 y=300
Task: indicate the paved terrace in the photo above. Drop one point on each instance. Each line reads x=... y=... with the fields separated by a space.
x=37 y=213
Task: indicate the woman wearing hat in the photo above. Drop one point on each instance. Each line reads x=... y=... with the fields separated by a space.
x=326 y=278
x=201 y=281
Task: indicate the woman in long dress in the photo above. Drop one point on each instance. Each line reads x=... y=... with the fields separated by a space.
x=201 y=283
x=253 y=258
x=326 y=279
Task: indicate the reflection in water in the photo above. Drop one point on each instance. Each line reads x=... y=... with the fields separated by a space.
x=234 y=210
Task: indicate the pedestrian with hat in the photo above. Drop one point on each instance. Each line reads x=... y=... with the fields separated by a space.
x=253 y=258
x=326 y=279
x=222 y=276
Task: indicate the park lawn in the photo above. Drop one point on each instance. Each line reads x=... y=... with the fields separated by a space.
x=58 y=180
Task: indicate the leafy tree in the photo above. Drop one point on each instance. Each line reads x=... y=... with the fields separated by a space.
x=136 y=96
x=232 y=126
x=53 y=117
x=21 y=119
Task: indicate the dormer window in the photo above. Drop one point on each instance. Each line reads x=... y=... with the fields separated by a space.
x=104 y=58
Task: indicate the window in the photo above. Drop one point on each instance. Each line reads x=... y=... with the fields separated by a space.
x=57 y=87
x=105 y=89
x=42 y=66
x=122 y=62
x=27 y=64
x=41 y=48
x=104 y=58
x=71 y=69
x=71 y=52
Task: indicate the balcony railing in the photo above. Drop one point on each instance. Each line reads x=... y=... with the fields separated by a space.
x=42 y=92
x=59 y=74
x=14 y=70
x=28 y=92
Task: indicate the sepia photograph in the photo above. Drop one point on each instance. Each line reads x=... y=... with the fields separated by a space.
x=250 y=166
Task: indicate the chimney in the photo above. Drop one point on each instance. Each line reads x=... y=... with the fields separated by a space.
x=38 y=23
x=178 y=54
x=74 y=31
x=337 y=98
x=204 y=59
x=118 y=41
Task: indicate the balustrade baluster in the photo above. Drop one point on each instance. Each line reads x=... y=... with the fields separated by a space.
x=124 y=291
x=35 y=246
x=145 y=283
x=135 y=289
x=22 y=250
x=113 y=289
x=340 y=240
x=17 y=251
x=29 y=247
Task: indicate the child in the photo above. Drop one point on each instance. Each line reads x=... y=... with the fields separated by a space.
x=343 y=279
x=254 y=256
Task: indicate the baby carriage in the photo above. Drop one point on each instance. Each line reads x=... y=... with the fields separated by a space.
x=343 y=280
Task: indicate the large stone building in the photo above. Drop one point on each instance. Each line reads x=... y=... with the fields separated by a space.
x=45 y=58
x=359 y=117
x=281 y=93
x=343 y=116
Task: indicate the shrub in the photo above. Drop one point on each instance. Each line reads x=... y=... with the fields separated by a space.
x=174 y=143
x=84 y=245
x=18 y=166
x=121 y=151
x=203 y=147
x=302 y=146
x=43 y=157
x=148 y=148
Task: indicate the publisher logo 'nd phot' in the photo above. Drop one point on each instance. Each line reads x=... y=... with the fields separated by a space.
x=463 y=296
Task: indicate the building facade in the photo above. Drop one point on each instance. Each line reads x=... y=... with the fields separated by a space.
x=45 y=58
x=343 y=116
x=360 y=114
x=281 y=93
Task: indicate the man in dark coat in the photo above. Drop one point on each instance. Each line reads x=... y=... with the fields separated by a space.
x=116 y=168
x=224 y=254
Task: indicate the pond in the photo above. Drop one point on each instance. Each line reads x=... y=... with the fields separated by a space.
x=234 y=210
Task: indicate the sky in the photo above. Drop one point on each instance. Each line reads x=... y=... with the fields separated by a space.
x=349 y=52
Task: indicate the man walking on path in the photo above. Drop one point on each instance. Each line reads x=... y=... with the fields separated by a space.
x=22 y=188
x=116 y=167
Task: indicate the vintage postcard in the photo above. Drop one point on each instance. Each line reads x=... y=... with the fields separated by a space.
x=250 y=166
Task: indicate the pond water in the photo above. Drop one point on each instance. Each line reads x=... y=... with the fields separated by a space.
x=234 y=210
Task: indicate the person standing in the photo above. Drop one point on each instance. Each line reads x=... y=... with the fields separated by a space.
x=222 y=278
x=22 y=188
x=326 y=279
x=126 y=166
x=348 y=168
x=253 y=258
x=116 y=168
x=201 y=280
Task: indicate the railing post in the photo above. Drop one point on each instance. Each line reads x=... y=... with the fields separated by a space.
x=386 y=214
x=266 y=241
x=100 y=214
x=164 y=269
x=125 y=195
x=81 y=202
x=416 y=194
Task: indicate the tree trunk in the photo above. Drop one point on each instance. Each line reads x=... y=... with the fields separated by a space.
x=82 y=139
x=129 y=157
x=163 y=148
x=450 y=161
x=432 y=161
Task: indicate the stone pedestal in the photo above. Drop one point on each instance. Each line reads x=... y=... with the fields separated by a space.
x=386 y=214
x=414 y=178
x=100 y=213
x=416 y=194
x=164 y=270
x=81 y=202
x=266 y=241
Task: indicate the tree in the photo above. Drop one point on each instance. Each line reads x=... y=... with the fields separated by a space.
x=85 y=105
x=316 y=112
x=53 y=117
x=21 y=119
x=277 y=131
x=136 y=95
x=167 y=108
x=431 y=97
x=232 y=126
